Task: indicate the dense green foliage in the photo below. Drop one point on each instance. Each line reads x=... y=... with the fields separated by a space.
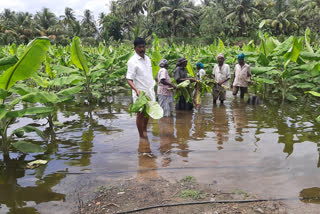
x=177 y=20
x=41 y=75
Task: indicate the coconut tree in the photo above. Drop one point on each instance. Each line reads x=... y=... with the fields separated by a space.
x=68 y=18
x=244 y=12
x=176 y=12
x=88 y=24
x=284 y=22
x=45 y=19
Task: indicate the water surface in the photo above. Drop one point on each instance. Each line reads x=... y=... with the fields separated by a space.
x=271 y=150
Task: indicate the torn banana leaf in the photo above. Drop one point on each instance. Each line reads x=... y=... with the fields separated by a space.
x=148 y=107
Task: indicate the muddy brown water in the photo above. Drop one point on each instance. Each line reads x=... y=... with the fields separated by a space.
x=271 y=150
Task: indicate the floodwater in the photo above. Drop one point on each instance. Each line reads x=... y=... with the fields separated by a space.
x=271 y=150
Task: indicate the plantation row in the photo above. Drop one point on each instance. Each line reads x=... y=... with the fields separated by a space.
x=48 y=75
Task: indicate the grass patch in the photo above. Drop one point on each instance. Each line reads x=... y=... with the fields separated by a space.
x=189 y=193
x=188 y=179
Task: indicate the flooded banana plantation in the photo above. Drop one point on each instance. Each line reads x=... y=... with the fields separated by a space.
x=271 y=149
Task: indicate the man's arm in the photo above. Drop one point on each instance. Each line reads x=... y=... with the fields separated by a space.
x=249 y=72
x=130 y=82
x=234 y=76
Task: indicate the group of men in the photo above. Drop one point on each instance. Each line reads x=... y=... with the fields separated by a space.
x=140 y=78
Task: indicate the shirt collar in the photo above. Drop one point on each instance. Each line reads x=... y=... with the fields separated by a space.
x=138 y=56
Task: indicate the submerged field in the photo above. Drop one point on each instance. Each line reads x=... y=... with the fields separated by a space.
x=68 y=106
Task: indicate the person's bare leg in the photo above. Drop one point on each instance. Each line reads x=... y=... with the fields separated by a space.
x=144 y=125
x=142 y=122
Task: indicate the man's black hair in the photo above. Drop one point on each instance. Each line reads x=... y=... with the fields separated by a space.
x=139 y=41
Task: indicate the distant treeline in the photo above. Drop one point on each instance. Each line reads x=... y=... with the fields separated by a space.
x=177 y=20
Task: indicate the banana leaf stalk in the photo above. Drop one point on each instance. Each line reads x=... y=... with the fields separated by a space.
x=200 y=87
x=144 y=105
x=211 y=83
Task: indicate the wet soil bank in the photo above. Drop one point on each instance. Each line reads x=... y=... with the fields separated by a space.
x=134 y=193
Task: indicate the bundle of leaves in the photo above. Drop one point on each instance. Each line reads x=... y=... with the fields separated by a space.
x=200 y=87
x=146 y=106
x=183 y=90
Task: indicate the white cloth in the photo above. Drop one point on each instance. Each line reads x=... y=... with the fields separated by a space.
x=242 y=74
x=140 y=72
x=221 y=74
x=201 y=73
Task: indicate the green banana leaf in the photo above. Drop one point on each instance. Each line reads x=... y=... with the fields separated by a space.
x=4 y=93
x=3 y=110
x=27 y=147
x=303 y=85
x=77 y=56
x=28 y=111
x=28 y=64
x=307 y=40
x=313 y=93
x=7 y=62
x=37 y=97
x=291 y=97
x=145 y=105
x=20 y=131
x=23 y=89
x=63 y=81
x=64 y=70
x=71 y=91
x=138 y=105
x=189 y=68
x=260 y=70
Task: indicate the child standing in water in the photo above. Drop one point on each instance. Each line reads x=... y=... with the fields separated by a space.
x=165 y=96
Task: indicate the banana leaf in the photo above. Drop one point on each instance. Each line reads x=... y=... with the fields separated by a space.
x=154 y=110
x=139 y=104
x=27 y=147
x=144 y=105
x=28 y=64
x=3 y=110
x=37 y=97
x=182 y=90
x=7 y=62
x=77 y=56
x=28 y=129
x=26 y=111
x=313 y=93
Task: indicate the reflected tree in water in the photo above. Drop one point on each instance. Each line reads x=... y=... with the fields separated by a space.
x=14 y=196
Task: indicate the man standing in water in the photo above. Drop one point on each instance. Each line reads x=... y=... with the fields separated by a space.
x=241 y=77
x=221 y=72
x=140 y=78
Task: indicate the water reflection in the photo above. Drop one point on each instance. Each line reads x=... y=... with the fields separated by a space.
x=220 y=124
x=147 y=164
x=183 y=126
x=201 y=126
x=166 y=134
x=310 y=195
x=15 y=196
x=240 y=119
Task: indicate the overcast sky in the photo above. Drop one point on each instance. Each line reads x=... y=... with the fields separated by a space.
x=57 y=6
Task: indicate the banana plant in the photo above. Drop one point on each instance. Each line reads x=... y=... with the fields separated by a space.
x=24 y=68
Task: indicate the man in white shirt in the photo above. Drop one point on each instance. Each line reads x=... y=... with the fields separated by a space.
x=140 y=78
x=221 y=72
x=241 y=77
